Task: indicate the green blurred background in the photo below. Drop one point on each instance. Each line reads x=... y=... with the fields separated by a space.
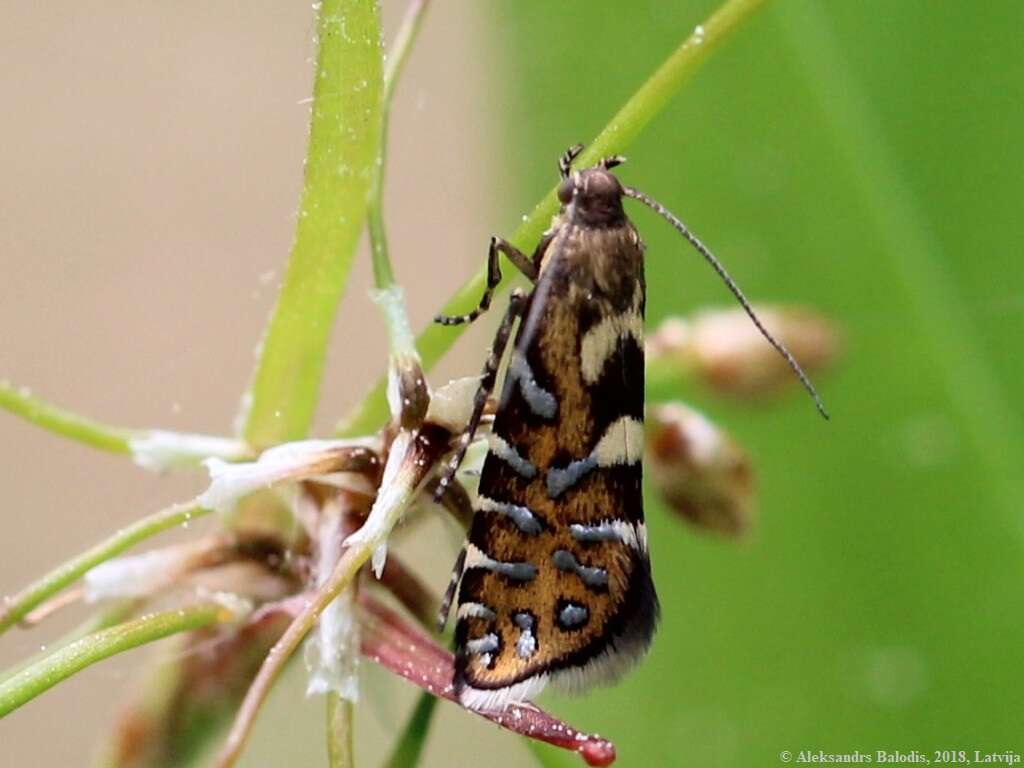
x=860 y=158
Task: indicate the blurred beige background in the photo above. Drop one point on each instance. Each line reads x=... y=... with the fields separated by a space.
x=150 y=161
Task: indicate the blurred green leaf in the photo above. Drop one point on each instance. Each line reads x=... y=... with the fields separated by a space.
x=341 y=158
x=409 y=747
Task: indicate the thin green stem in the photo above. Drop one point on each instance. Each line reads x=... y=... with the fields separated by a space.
x=383 y=275
x=342 y=152
x=414 y=736
x=115 y=614
x=21 y=402
x=339 y=732
x=16 y=607
x=154 y=449
x=616 y=137
x=404 y=40
x=389 y=295
x=66 y=661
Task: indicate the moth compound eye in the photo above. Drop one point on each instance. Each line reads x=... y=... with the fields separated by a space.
x=565 y=191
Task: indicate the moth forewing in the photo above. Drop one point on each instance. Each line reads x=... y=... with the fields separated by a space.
x=555 y=582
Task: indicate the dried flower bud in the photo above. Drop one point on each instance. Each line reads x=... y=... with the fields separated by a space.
x=408 y=394
x=161 y=451
x=147 y=573
x=727 y=352
x=319 y=460
x=411 y=460
x=701 y=473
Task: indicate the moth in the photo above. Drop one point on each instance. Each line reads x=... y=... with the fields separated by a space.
x=554 y=578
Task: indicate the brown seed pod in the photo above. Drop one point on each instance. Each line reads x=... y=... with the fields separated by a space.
x=701 y=473
x=725 y=352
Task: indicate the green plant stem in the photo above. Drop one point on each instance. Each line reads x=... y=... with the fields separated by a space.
x=343 y=148
x=66 y=661
x=414 y=736
x=620 y=132
x=389 y=295
x=115 y=614
x=65 y=423
x=16 y=607
x=339 y=732
x=383 y=275
x=154 y=449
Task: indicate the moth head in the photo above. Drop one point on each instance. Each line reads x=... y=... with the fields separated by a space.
x=593 y=196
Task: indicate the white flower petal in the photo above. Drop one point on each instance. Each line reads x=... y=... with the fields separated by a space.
x=160 y=451
x=300 y=460
x=144 y=574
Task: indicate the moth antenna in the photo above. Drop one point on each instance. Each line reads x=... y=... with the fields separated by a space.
x=731 y=285
x=565 y=161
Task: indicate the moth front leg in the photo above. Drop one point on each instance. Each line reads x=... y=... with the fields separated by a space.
x=521 y=261
x=517 y=301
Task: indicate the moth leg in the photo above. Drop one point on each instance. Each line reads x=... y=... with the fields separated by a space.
x=612 y=161
x=521 y=261
x=517 y=301
x=449 y=593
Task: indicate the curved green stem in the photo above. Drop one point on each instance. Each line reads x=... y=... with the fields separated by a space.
x=389 y=295
x=66 y=661
x=116 y=613
x=155 y=449
x=59 y=421
x=15 y=608
x=621 y=130
x=383 y=275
